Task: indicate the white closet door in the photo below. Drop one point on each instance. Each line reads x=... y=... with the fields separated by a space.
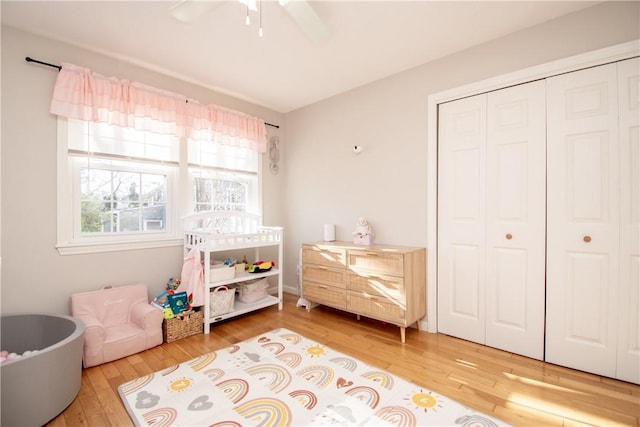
x=583 y=220
x=461 y=218
x=628 y=366
x=516 y=198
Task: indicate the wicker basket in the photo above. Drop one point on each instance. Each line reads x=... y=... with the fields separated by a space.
x=177 y=328
x=221 y=301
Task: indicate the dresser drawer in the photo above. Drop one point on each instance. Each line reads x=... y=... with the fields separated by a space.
x=324 y=294
x=376 y=307
x=324 y=255
x=377 y=262
x=327 y=275
x=387 y=286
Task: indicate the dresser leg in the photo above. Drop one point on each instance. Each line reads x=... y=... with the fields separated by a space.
x=418 y=325
x=357 y=317
x=402 y=334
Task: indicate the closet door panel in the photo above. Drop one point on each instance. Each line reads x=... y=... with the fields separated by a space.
x=583 y=220
x=461 y=218
x=516 y=219
x=628 y=366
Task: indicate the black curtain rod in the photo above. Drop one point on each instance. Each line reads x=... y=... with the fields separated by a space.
x=29 y=59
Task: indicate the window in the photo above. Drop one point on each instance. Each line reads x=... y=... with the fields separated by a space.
x=120 y=188
x=224 y=177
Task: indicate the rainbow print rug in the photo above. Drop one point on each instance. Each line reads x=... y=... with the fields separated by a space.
x=281 y=378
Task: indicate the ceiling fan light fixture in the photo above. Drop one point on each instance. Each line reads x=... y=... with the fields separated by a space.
x=251 y=4
x=260 y=29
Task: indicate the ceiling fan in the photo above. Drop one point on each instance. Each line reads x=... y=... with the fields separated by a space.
x=300 y=11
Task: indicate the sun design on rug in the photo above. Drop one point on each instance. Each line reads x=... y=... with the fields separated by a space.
x=423 y=400
x=180 y=384
x=315 y=351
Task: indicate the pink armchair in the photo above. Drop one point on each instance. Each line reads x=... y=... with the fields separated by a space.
x=119 y=322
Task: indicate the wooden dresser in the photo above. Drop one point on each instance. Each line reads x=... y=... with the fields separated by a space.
x=382 y=282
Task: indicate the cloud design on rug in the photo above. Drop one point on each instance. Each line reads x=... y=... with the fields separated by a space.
x=146 y=400
x=253 y=357
x=200 y=403
x=342 y=411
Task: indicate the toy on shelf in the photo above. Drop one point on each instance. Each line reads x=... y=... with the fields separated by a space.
x=173 y=303
x=261 y=266
x=178 y=302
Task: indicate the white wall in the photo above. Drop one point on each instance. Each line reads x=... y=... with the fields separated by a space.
x=387 y=183
x=320 y=180
x=35 y=278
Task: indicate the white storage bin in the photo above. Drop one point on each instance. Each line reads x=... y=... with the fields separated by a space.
x=222 y=272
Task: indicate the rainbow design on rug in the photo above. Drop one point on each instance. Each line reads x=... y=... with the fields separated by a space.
x=318 y=375
x=201 y=361
x=306 y=397
x=137 y=384
x=226 y=424
x=235 y=388
x=265 y=412
x=273 y=347
x=383 y=378
x=292 y=338
x=290 y=359
x=397 y=415
x=169 y=370
x=275 y=377
x=475 y=421
x=161 y=417
x=345 y=362
x=214 y=374
x=366 y=395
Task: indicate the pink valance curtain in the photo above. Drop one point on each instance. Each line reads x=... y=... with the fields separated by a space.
x=84 y=95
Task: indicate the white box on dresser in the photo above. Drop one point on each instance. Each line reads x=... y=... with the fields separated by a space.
x=383 y=282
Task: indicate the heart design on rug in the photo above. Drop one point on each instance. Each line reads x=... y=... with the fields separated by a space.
x=146 y=400
x=253 y=356
x=264 y=339
x=343 y=383
x=200 y=404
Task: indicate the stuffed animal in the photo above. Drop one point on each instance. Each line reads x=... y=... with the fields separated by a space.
x=363 y=228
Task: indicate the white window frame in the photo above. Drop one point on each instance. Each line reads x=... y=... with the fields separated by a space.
x=179 y=202
x=77 y=236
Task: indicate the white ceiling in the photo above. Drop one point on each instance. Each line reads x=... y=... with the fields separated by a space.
x=284 y=70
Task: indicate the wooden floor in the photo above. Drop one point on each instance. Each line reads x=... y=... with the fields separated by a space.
x=516 y=389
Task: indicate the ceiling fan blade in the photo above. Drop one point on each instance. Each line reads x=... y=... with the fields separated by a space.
x=190 y=10
x=307 y=19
